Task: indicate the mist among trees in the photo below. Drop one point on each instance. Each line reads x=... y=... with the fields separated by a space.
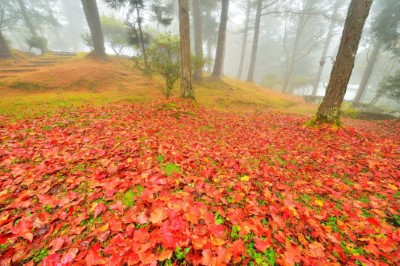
x=199 y=132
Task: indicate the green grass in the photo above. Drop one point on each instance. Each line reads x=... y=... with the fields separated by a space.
x=171 y=168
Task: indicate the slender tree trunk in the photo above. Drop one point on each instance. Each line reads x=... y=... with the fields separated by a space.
x=291 y=61
x=139 y=19
x=198 y=39
x=25 y=15
x=209 y=54
x=93 y=20
x=71 y=24
x=61 y=44
x=244 y=43
x=4 y=48
x=329 y=36
x=186 y=66
x=220 y=52
x=329 y=110
x=367 y=72
x=250 y=76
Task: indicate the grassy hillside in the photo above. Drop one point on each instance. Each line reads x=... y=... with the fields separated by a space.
x=82 y=80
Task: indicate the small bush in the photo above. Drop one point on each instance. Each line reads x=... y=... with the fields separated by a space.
x=37 y=42
x=390 y=87
x=163 y=59
x=19 y=85
x=272 y=80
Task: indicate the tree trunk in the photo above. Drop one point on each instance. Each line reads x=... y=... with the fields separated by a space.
x=198 y=40
x=4 y=48
x=139 y=20
x=244 y=44
x=292 y=59
x=368 y=71
x=332 y=25
x=72 y=23
x=61 y=44
x=93 y=20
x=250 y=76
x=25 y=15
x=329 y=110
x=220 y=52
x=186 y=67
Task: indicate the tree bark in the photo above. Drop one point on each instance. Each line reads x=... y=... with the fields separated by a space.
x=198 y=40
x=25 y=15
x=292 y=59
x=93 y=20
x=332 y=25
x=186 y=67
x=220 y=52
x=4 y=48
x=250 y=75
x=139 y=20
x=244 y=43
x=329 y=110
x=367 y=72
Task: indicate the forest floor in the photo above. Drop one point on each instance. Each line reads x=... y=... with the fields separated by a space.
x=233 y=178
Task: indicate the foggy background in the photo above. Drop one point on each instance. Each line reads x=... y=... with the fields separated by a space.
x=65 y=25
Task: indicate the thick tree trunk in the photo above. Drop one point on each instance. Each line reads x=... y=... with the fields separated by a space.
x=186 y=67
x=329 y=110
x=250 y=75
x=93 y=20
x=4 y=49
x=244 y=43
x=25 y=15
x=329 y=36
x=198 y=39
x=220 y=52
x=367 y=72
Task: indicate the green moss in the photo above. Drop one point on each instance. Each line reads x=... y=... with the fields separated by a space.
x=170 y=169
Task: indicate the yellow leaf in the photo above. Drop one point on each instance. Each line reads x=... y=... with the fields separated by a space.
x=245 y=178
x=392 y=187
x=104 y=228
x=216 y=241
x=94 y=205
x=319 y=202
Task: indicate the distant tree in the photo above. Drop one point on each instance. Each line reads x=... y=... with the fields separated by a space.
x=371 y=61
x=27 y=18
x=115 y=34
x=4 y=48
x=386 y=25
x=75 y=17
x=210 y=28
x=135 y=20
x=262 y=10
x=244 y=40
x=329 y=110
x=93 y=20
x=332 y=24
x=186 y=66
x=385 y=35
x=220 y=52
x=198 y=38
x=306 y=11
x=250 y=74
x=390 y=87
